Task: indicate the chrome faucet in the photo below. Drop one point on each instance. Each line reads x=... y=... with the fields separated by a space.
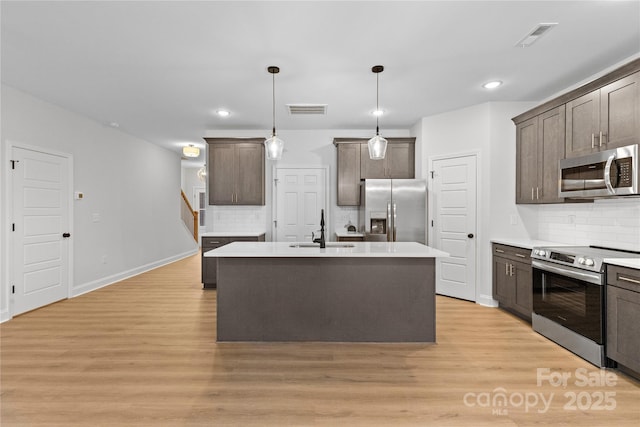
x=321 y=240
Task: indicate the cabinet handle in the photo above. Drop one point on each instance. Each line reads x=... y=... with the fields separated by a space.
x=500 y=251
x=593 y=140
x=511 y=269
x=628 y=279
x=602 y=136
x=532 y=193
x=506 y=269
x=537 y=193
x=521 y=256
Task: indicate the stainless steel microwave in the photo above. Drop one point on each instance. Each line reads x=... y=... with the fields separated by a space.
x=609 y=173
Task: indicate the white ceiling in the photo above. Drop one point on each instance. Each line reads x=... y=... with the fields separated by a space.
x=161 y=68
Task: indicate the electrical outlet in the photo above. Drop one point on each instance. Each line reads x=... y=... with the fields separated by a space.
x=95 y=217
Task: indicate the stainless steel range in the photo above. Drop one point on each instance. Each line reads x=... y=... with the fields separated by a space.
x=569 y=297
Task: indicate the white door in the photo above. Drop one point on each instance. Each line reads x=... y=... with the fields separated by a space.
x=300 y=195
x=40 y=253
x=453 y=201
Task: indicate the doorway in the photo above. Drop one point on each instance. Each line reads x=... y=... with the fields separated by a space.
x=200 y=204
x=453 y=213
x=40 y=238
x=300 y=194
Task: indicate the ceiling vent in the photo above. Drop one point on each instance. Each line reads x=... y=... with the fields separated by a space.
x=535 y=34
x=307 y=109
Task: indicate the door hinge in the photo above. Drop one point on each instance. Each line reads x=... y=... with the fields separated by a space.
x=432 y=223
x=13 y=289
x=275 y=223
x=13 y=163
x=13 y=227
x=432 y=174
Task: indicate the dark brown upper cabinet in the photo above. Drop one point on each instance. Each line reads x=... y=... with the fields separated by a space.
x=399 y=161
x=605 y=118
x=235 y=171
x=539 y=148
x=355 y=165
x=348 y=174
x=600 y=115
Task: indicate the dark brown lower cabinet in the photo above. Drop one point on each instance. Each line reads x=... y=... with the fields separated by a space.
x=210 y=265
x=512 y=281
x=623 y=317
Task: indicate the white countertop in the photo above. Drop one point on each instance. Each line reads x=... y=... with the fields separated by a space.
x=358 y=250
x=526 y=243
x=624 y=262
x=232 y=234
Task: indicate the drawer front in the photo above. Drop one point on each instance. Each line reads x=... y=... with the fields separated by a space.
x=209 y=243
x=623 y=277
x=350 y=239
x=511 y=252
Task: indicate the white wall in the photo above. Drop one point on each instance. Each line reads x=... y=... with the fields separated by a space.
x=302 y=148
x=132 y=184
x=485 y=130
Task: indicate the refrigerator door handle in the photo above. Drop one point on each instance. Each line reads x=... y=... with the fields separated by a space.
x=389 y=222
x=395 y=219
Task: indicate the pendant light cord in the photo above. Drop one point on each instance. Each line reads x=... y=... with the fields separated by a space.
x=273 y=97
x=377 y=106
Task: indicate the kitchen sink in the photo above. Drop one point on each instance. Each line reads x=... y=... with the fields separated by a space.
x=317 y=245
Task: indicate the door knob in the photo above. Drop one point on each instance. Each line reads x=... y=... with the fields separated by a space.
x=65 y=235
x=470 y=235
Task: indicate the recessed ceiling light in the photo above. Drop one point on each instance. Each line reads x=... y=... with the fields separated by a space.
x=377 y=112
x=114 y=124
x=223 y=113
x=492 y=85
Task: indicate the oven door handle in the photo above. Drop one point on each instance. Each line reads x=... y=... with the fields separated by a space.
x=585 y=276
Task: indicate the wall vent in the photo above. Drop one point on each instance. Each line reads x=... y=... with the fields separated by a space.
x=307 y=109
x=537 y=32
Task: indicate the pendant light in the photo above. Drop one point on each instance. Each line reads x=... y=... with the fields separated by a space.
x=377 y=144
x=274 y=145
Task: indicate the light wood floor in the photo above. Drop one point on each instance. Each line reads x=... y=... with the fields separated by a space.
x=143 y=352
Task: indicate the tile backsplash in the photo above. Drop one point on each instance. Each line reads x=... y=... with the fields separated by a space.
x=608 y=222
x=237 y=218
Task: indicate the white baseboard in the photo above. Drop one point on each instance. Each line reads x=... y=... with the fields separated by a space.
x=106 y=281
x=487 y=301
x=4 y=316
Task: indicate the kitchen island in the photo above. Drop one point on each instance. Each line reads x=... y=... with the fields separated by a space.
x=349 y=292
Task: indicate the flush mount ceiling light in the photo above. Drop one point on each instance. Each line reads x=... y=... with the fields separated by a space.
x=378 y=112
x=223 y=113
x=377 y=144
x=190 y=151
x=274 y=145
x=492 y=85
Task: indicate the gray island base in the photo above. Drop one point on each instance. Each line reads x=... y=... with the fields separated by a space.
x=331 y=298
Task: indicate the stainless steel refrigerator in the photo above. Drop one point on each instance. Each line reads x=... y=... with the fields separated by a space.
x=393 y=210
